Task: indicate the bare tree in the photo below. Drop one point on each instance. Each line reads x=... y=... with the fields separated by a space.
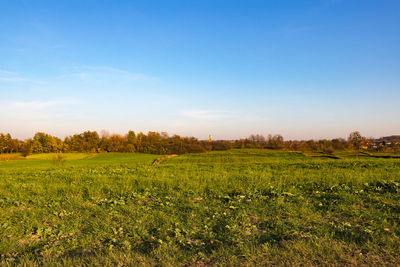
x=355 y=139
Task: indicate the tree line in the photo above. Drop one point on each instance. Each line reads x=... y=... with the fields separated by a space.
x=162 y=143
x=91 y=141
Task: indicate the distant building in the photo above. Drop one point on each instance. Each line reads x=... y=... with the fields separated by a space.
x=386 y=141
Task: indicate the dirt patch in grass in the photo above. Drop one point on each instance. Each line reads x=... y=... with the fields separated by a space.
x=161 y=159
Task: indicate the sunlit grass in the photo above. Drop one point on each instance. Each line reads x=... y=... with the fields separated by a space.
x=222 y=208
x=66 y=156
x=7 y=157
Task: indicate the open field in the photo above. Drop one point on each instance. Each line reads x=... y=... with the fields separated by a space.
x=238 y=207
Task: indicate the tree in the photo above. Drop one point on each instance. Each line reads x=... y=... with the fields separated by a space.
x=26 y=148
x=115 y=143
x=338 y=143
x=90 y=141
x=275 y=141
x=3 y=143
x=45 y=143
x=36 y=146
x=327 y=147
x=132 y=139
x=355 y=139
x=67 y=144
x=258 y=140
x=396 y=147
x=13 y=145
x=5 y=140
x=139 y=142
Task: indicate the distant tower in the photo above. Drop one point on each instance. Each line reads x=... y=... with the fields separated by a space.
x=209 y=138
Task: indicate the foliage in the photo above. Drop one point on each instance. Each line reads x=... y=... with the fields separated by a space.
x=58 y=159
x=355 y=139
x=162 y=143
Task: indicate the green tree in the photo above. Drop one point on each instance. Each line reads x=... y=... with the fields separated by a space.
x=140 y=140
x=132 y=141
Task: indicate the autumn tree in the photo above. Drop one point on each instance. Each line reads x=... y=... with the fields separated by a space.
x=327 y=147
x=45 y=143
x=90 y=141
x=26 y=148
x=275 y=141
x=76 y=143
x=139 y=142
x=13 y=145
x=258 y=140
x=36 y=146
x=355 y=139
x=131 y=141
x=396 y=147
x=3 y=143
x=115 y=143
x=6 y=145
x=338 y=144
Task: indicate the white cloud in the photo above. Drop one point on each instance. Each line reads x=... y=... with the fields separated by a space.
x=12 y=79
x=9 y=76
x=253 y=118
x=5 y=72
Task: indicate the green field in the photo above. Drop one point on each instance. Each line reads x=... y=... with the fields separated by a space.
x=237 y=208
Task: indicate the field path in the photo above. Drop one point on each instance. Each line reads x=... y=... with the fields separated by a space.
x=161 y=159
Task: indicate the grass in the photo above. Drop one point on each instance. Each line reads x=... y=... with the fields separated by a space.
x=238 y=207
x=7 y=157
x=66 y=156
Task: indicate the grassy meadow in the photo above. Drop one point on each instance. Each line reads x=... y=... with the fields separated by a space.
x=241 y=207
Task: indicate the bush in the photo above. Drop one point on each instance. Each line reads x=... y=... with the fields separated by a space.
x=59 y=159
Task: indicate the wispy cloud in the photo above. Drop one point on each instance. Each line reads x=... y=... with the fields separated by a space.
x=5 y=72
x=12 y=79
x=9 y=76
x=27 y=111
x=206 y=114
x=86 y=72
x=37 y=35
x=39 y=105
x=253 y=118
x=215 y=115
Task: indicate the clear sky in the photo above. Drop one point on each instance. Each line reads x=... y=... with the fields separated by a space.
x=303 y=69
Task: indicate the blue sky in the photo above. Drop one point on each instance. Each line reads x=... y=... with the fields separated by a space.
x=303 y=69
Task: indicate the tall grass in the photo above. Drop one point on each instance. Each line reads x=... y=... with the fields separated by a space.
x=7 y=157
